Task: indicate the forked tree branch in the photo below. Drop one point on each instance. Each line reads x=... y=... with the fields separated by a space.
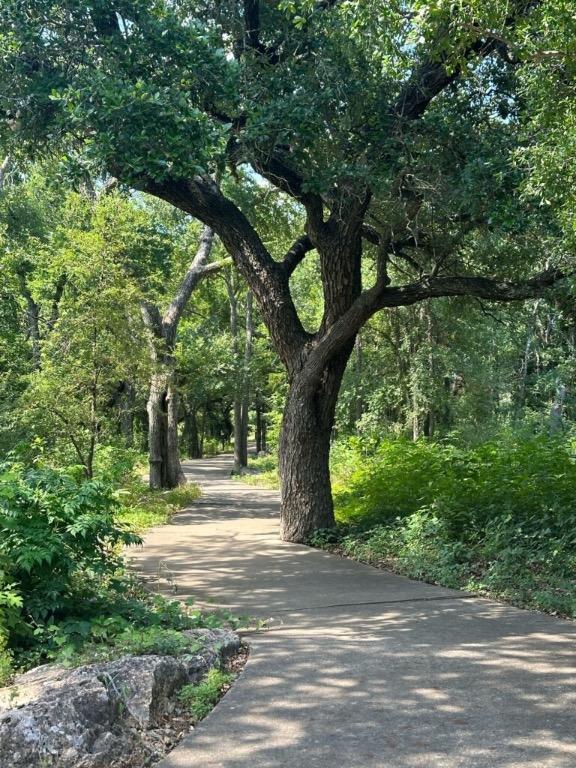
x=296 y=254
x=202 y=198
x=379 y=297
x=196 y=271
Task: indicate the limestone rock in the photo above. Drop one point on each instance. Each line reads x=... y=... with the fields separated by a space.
x=144 y=685
x=214 y=646
x=100 y=715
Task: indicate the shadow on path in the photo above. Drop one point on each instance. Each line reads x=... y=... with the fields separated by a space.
x=361 y=667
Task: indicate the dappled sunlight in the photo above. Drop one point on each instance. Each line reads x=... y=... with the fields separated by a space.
x=359 y=667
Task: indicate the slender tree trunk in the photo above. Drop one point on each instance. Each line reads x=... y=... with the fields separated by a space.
x=305 y=451
x=203 y=428
x=33 y=317
x=429 y=424
x=431 y=341
x=245 y=408
x=240 y=394
x=557 y=410
x=33 y=323
x=415 y=417
x=4 y=168
x=142 y=418
x=191 y=432
x=127 y=399
x=258 y=430
x=359 y=388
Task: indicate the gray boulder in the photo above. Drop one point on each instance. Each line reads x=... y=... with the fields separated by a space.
x=214 y=646
x=100 y=715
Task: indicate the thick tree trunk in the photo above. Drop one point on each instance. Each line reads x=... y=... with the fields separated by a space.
x=305 y=451
x=165 y=468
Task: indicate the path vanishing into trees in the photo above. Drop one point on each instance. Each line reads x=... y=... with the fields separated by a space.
x=360 y=667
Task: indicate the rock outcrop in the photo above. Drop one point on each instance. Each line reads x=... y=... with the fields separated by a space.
x=101 y=715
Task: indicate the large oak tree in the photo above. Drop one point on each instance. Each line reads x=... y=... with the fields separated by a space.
x=378 y=119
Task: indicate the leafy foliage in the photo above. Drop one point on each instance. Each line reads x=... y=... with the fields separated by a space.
x=54 y=529
x=143 y=507
x=201 y=698
x=495 y=519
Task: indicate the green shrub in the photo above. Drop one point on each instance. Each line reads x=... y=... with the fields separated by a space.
x=395 y=481
x=53 y=530
x=10 y=603
x=112 y=617
x=201 y=699
x=498 y=518
x=262 y=472
x=211 y=446
x=143 y=507
x=64 y=593
x=6 y=662
x=113 y=464
x=467 y=488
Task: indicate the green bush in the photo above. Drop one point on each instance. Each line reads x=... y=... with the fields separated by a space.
x=113 y=463
x=498 y=518
x=200 y=699
x=143 y=507
x=111 y=617
x=53 y=531
x=212 y=446
x=527 y=479
x=6 y=663
x=395 y=481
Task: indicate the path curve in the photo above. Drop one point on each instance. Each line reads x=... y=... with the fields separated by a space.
x=361 y=668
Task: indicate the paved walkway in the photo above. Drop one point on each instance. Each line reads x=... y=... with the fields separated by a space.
x=361 y=668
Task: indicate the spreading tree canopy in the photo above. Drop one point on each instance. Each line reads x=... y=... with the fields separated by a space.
x=395 y=127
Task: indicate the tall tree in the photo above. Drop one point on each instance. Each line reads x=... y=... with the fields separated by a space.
x=160 y=94
x=165 y=468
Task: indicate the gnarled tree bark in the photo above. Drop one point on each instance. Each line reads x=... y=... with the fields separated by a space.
x=335 y=227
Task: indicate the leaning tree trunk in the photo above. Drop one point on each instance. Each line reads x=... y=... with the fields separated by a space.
x=305 y=452
x=165 y=468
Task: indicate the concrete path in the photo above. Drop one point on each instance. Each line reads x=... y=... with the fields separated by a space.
x=360 y=668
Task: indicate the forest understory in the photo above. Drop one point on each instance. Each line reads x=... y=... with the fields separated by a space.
x=492 y=520
x=345 y=231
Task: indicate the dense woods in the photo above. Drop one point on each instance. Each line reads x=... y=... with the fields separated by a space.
x=338 y=233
